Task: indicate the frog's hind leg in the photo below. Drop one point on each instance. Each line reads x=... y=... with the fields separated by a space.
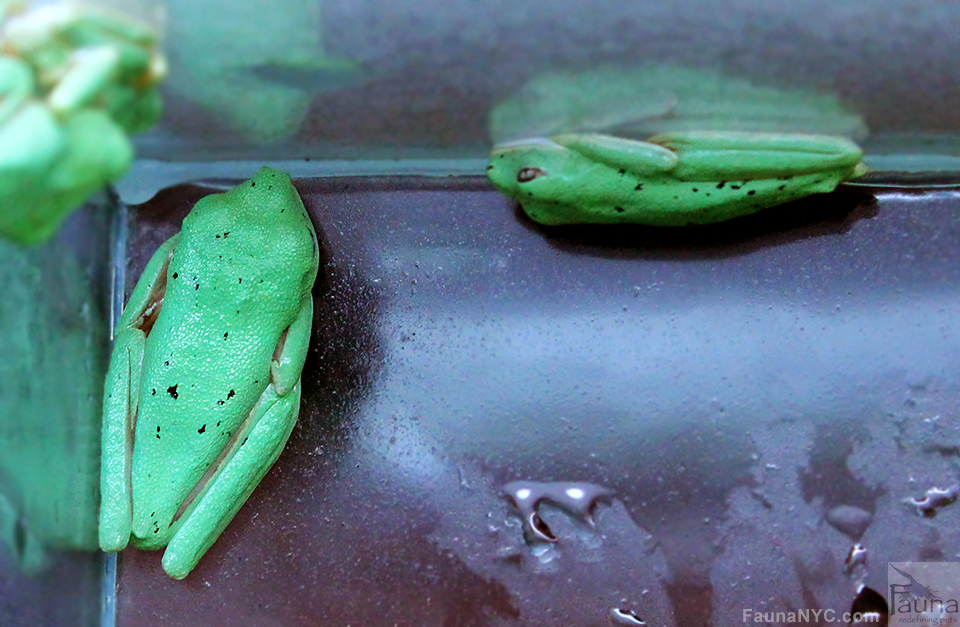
x=217 y=498
x=254 y=451
x=730 y=156
x=121 y=398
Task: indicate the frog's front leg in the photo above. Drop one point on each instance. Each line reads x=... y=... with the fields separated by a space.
x=727 y=156
x=206 y=512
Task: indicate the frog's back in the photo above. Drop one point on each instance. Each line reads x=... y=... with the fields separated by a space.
x=237 y=280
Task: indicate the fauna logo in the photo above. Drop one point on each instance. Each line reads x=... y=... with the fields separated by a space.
x=924 y=591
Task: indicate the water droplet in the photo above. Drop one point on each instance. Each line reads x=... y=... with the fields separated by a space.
x=575 y=498
x=849 y=520
x=869 y=608
x=933 y=499
x=619 y=616
x=856 y=557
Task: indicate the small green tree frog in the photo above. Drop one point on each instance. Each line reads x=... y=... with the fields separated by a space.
x=203 y=387
x=672 y=179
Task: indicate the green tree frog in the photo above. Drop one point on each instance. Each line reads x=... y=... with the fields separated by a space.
x=203 y=387
x=73 y=82
x=672 y=179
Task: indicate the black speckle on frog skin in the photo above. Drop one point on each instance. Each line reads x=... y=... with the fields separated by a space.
x=153 y=392
x=695 y=189
x=619 y=209
x=176 y=274
x=158 y=432
x=225 y=335
x=253 y=183
x=735 y=186
x=172 y=391
x=231 y=394
x=751 y=192
x=202 y=429
x=638 y=188
x=622 y=172
x=721 y=184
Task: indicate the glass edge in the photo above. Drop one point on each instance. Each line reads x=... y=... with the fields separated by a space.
x=118 y=250
x=148 y=176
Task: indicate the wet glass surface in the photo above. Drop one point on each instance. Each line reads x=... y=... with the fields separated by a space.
x=505 y=424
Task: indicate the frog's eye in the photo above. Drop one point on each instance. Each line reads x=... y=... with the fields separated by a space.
x=528 y=174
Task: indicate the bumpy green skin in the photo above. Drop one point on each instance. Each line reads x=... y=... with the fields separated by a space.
x=672 y=179
x=205 y=370
x=73 y=83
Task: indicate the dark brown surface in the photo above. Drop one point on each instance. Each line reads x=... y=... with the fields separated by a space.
x=728 y=385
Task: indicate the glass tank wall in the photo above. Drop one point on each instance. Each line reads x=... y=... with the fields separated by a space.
x=54 y=330
x=376 y=79
x=509 y=424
